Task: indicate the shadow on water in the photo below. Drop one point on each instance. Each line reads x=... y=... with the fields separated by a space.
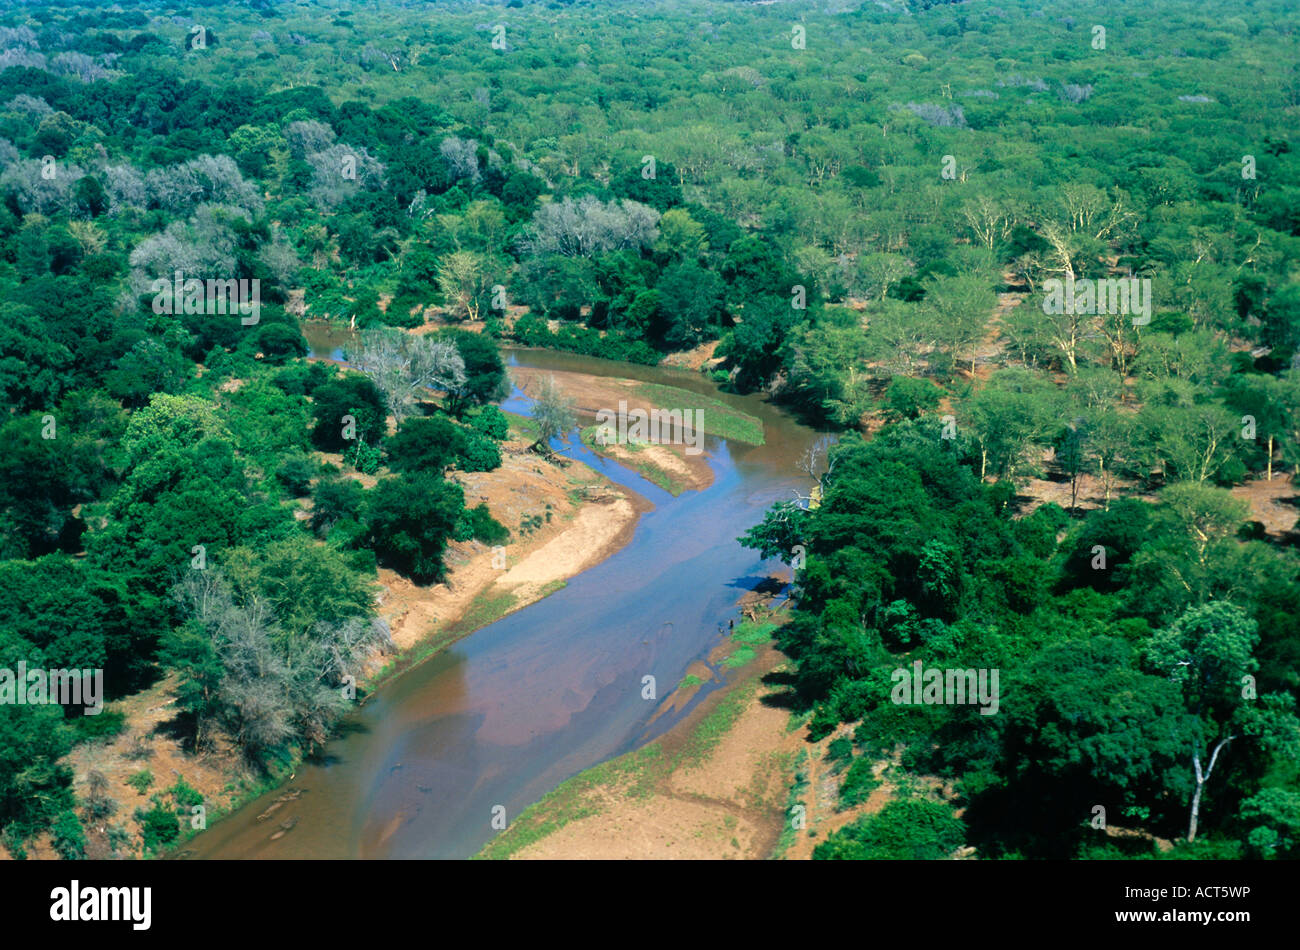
x=494 y=722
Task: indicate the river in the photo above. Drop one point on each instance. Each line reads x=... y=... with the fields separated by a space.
x=511 y=711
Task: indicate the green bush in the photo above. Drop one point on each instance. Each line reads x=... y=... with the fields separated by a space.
x=492 y=422
x=859 y=782
x=839 y=750
x=532 y=331
x=364 y=458
x=68 y=837
x=108 y=722
x=477 y=523
x=335 y=500
x=185 y=795
x=908 y=829
x=479 y=454
x=296 y=473
x=159 y=826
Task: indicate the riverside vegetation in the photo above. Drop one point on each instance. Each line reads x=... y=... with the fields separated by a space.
x=855 y=208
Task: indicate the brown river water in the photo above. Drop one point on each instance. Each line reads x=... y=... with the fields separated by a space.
x=499 y=719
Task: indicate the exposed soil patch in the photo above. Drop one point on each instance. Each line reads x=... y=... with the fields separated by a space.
x=701 y=355
x=729 y=804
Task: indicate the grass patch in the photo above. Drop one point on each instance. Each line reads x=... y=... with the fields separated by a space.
x=522 y=428
x=551 y=587
x=753 y=634
x=798 y=718
x=689 y=681
x=746 y=640
x=739 y=658
x=644 y=468
x=482 y=611
x=797 y=789
x=713 y=416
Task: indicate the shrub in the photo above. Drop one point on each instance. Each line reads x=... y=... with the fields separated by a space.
x=425 y=444
x=410 y=519
x=859 y=782
x=184 y=794
x=478 y=523
x=141 y=781
x=839 y=750
x=68 y=837
x=109 y=722
x=364 y=458
x=333 y=500
x=159 y=826
x=492 y=422
x=905 y=829
x=480 y=454
x=296 y=473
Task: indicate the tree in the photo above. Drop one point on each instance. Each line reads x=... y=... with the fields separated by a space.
x=1011 y=415
x=589 y=226
x=754 y=343
x=1267 y=405
x=403 y=366
x=552 y=411
x=462 y=278
x=303 y=583
x=1208 y=653
x=333 y=500
x=34 y=370
x=828 y=371
x=34 y=787
x=690 y=304
x=961 y=307
x=681 y=236
x=557 y=286
x=485 y=374
x=350 y=395
x=410 y=519
x=41 y=481
x=1191 y=443
x=425 y=444
x=905 y=829
x=1080 y=725
x=265 y=685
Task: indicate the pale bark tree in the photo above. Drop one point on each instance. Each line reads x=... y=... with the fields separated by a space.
x=464 y=284
x=404 y=366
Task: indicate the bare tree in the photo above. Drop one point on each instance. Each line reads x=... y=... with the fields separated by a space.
x=307 y=136
x=340 y=171
x=590 y=226
x=461 y=156
x=271 y=688
x=404 y=366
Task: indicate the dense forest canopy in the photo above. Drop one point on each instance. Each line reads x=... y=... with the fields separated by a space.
x=863 y=209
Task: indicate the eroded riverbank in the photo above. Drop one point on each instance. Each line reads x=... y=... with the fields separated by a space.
x=441 y=756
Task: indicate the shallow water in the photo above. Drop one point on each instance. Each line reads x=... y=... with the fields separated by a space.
x=508 y=713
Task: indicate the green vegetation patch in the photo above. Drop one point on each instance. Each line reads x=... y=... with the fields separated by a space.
x=713 y=416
